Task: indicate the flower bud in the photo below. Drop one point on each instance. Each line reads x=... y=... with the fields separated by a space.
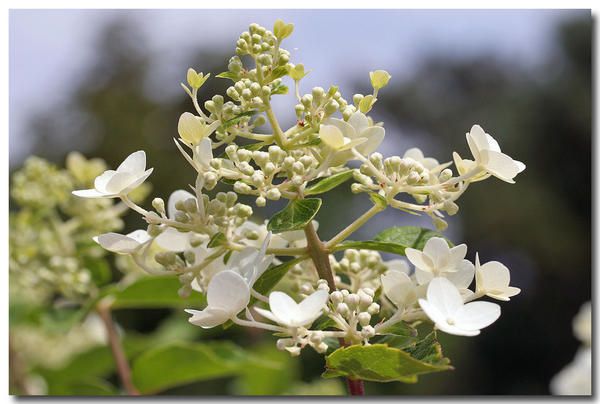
x=260 y=201
x=342 y=308
x=373 y=309
x=368 y=332
x=379 y=79
x=159 y=205
x=273 y=194
x=364 y=319
x=336 y=297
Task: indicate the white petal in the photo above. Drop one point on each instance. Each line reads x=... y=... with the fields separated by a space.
x=495 y=276
x=176 y=196
x=119 y=182
x=458 y=253
x=135 y=163
x=284 y=308
x=139 y=180
x=204 y=152
x=375 y=136
x=227 y=290
x=463 y=276
x=103 y=179
x=359 y=122
x=345 y=127
x=208 y=318
x=173 y=240
x=141 y=236
x=423 y=277
x=117 y=243
x=442 y=294
x=477 y=315
x=414 y=153
x=433 y=312
x=398 y=265
x=331 y=136
x=492 y=144
x=477 y=140
x=500 y=165
x=266 y=314
x=399 y=288
x=438 y=250
x=92 y=193
x=312 y=307
x=418 y=259
x=520 y=166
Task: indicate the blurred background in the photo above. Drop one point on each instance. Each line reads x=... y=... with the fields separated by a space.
x=106 y=83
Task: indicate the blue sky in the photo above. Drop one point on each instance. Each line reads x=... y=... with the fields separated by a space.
x=50 y=48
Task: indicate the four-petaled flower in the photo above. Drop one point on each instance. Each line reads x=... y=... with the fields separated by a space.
x=172 y=239
x=438 y=259
x=487 y=154
x=492 y=279
x=444 y=306
x=285 y=311
x=194 y=129
x=228 y=293
x=130 y=174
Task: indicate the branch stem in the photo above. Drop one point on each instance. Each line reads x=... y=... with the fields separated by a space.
x=352 y=227
x=123 y=369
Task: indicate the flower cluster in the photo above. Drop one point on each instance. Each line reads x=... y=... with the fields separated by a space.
x=50 y=231
x=319 y=300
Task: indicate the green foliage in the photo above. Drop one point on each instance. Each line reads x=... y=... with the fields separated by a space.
x=274 y=274
x=382 y=363
x=398 y=335
x=329 y=183
x=216 y=240
x=297 y=214
x=180 y=363
x=394 y=240
x=154 y=292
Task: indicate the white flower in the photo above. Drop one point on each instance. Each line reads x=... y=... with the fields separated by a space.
x=227 y=294
x=112 y=184
x=445 y=307
x=400 y=289
x=338 y=144
x=575 y=379
x=438 y=259
x=492 y=279
x=193 y=129
x=582 y=324
x=285 y=311
x=398 y=265
x=172 y=239
x=486 y=151
x=123 y=243
x=200 y=282
x=358 y=127
x=251 y=263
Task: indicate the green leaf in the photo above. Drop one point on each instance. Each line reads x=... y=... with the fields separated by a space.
x=278 y=72
x=378 y=363
x=371 y=245
x=273 y=275
x=82 y=387
x=327 y=184
x=216 y=240
x=394 y=240
x=409 y=236
x=229 y=75
x=236 y=119
x=280 y=89
x=429 y=350
x=154 y=292
x=398 y=335
x=181 y=363
x=297 y=214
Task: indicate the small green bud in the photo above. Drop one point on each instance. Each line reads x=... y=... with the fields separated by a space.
x=282 y=30
x=159 y=205
x=196 y=80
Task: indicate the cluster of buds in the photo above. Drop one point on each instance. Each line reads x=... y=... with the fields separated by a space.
x=275 y=163
x=313 y=108
x=362 y=268
x=353 y=312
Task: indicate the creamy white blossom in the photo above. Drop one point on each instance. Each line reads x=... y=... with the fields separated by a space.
x=193 y=129
x=400 y=289
x=285 y=311
x=444 y=306
x=493 y=279
x=428 y=162
x=227 y=294
x=130 y=174
x=438 y=259
x=582 y=324
x=487 y=153
x=358 y=127
x=123 y=243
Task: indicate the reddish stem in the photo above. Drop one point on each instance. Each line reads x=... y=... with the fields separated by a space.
x=356 y=387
